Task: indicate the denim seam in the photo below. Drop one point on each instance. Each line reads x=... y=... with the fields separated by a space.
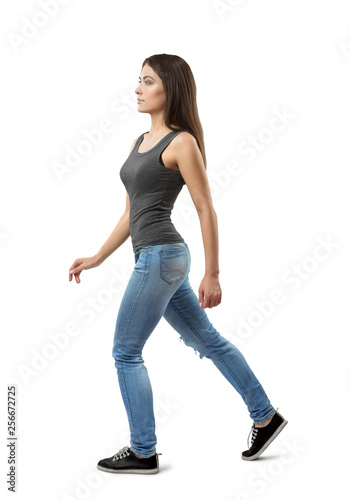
x=136 y=296
x=127 y=397
x=122 y=337
x=194 y=331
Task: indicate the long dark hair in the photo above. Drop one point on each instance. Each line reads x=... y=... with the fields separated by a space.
x=180 y=89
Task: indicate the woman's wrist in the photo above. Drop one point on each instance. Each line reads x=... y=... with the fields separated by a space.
x=98 y=258
x=212 y=273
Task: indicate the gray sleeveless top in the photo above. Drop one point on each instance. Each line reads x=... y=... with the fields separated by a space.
x=152 y=188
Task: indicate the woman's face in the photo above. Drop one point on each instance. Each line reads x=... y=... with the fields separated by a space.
x=150 y=91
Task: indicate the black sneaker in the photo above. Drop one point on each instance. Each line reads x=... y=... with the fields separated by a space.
x=263 y=436
x=127 y=462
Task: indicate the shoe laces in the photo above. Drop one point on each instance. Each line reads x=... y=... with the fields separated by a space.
x=254 y=432
x=123 y=452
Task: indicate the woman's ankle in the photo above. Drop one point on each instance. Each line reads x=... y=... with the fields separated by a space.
x=264 y=424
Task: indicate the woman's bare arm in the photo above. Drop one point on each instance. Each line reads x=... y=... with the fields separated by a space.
x=119 y=235
x=191 y=165
x=190 y=162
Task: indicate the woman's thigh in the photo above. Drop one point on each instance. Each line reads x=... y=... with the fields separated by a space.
x=159 y=271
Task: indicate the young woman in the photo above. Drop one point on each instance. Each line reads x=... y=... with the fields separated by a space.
x=160 y=162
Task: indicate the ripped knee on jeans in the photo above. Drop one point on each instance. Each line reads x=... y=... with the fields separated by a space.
x=195 y=350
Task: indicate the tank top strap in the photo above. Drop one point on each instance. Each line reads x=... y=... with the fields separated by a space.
x=163 y=143
x=138 y=142
x=160 y=146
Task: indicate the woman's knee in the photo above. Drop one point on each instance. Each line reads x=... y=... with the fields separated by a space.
x=124 y=358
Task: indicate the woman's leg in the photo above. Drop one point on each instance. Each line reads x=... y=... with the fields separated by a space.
x=186 y=316
x=159 y=271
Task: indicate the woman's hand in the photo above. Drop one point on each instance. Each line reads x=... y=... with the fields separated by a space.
x=209 y=291
x=83 y=263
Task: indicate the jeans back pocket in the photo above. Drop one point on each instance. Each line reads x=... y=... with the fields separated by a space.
x=173 y=264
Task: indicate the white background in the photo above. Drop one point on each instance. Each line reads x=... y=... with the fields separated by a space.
x=251 y=61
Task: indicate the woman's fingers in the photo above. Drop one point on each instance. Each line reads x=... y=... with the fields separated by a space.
x=71 y=271
x=79 y=265
x=75 y=270
x=77 y=277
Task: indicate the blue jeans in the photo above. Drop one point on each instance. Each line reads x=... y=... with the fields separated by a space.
x=159 y=287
